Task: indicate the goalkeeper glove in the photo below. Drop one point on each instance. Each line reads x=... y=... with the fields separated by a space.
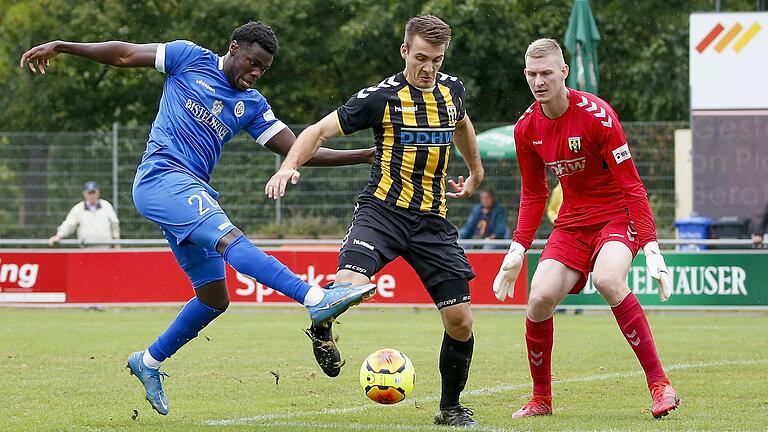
x=657 y=268
x=504 y=283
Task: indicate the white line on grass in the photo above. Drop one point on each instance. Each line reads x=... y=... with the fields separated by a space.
x=268 y=419
x=368 y=426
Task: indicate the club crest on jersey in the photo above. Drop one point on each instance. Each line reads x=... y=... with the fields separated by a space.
x=217 y=107
x=452 y=114
x=239 y=109
x=574 y=143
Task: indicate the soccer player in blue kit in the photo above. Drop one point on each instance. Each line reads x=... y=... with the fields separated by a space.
x=206 y=100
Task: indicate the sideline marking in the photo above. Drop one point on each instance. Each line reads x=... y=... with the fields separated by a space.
x=376 y=427
x=478 y=392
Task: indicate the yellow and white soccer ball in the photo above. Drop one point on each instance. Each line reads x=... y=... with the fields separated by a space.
x=387 y=376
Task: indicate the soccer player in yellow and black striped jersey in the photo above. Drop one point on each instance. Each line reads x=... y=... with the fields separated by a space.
x=415 y=116
x=413 y=130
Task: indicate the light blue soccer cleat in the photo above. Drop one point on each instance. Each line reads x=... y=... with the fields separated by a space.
x=337 y=300
x=151 y=380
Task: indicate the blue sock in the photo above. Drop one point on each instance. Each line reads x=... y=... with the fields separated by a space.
x=249 y=260
x=194 y=316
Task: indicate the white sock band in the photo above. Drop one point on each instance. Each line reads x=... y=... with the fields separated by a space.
x=314 y=296
x=150 y=361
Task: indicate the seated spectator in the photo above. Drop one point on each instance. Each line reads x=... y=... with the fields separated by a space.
x=94 y=219
x=760 y=229
x=488 y=220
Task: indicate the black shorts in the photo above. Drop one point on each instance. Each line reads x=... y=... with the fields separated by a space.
x=380 y=232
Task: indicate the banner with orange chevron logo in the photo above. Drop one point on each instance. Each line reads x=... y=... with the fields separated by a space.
x=728 y=57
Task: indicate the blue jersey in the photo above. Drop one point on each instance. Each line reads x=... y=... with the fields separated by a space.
x=200 y=110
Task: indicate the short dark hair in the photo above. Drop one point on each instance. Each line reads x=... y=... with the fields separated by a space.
x=431 y=28
x=257 y=32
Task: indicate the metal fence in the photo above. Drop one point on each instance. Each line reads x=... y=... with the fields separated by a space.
x=41 y=176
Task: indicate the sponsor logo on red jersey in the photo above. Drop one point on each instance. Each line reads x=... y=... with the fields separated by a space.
x=564 y=168
x=621 y=154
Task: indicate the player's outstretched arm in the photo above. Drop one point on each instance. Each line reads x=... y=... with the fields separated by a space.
x=306 y=145
x=282 y=142
x=113 y=53
x=466 y=141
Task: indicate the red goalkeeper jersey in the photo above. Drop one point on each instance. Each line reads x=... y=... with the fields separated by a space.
x=587 y=150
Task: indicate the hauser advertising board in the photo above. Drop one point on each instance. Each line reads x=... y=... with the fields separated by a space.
x=698 y=279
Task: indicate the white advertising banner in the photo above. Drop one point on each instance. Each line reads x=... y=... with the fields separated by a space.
x=728 y=60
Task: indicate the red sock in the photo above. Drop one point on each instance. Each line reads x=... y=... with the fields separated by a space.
x=538 y=339
x=634 y=326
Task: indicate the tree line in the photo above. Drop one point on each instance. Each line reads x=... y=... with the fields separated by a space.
x=331 y=49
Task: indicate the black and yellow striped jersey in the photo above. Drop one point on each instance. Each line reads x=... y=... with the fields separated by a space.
x=413 y=129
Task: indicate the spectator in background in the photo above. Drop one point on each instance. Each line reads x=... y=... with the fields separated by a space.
x=488 y=220
x=94 y=219
x=760 y=229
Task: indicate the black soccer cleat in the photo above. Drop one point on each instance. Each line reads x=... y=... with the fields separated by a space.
x=459 y=417
x=324 y=348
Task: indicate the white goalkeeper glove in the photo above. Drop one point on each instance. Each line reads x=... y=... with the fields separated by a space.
x=504 y=283
x=657 y=268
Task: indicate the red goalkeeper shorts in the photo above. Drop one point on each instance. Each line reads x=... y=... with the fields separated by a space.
x=577 y=247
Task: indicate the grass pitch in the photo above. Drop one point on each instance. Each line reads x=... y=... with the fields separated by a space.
x=63 y=370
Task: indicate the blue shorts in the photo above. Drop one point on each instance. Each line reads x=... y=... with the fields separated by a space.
x=186 y=209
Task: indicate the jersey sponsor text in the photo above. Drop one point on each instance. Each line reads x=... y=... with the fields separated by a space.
x=202 y=115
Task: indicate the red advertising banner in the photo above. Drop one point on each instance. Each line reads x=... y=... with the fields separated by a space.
x=152 y=276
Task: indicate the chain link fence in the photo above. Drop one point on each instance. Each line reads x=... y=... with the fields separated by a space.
x=42 y=174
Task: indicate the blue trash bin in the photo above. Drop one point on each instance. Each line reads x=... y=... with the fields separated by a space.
x=693 y=228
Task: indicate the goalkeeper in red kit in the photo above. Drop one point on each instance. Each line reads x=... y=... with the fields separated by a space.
x=603 y=222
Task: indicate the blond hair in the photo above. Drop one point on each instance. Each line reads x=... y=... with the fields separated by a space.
x=545 y=47
x=431 y=28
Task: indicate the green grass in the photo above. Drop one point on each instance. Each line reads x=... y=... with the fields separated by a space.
x=63 y=370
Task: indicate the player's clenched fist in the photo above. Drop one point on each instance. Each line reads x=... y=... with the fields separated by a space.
x=276 y=185
x=504 y=284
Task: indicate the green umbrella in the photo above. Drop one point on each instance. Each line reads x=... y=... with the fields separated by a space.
x=581 y=39
x=497 y=143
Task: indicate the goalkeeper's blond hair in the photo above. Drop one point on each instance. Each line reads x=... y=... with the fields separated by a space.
x=545 y=47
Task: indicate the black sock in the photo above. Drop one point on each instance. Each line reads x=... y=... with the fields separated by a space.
x=455 y=358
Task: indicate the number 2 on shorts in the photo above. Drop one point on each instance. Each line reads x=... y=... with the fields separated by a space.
x=203 y=195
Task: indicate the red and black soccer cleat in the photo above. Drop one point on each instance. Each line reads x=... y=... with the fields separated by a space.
x=665 y=399
x=537 y=406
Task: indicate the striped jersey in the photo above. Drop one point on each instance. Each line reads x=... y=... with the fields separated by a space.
x=413 y=130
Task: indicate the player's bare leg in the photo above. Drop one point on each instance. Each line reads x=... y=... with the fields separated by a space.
x=351 y=277
x=609 y=275
x=455 y=359
x=610 y=278
x=551 y=283
x=323 y=343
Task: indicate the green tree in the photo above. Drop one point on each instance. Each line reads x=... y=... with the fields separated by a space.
x=329 y=50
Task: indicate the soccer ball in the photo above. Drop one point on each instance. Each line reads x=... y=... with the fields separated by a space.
x=387 y=376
